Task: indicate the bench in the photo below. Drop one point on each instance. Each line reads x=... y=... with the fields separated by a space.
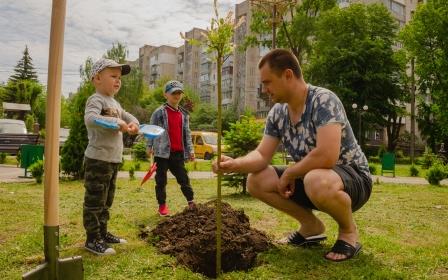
x=10 y=143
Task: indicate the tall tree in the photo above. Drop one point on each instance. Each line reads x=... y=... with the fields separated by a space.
x=24 y=69
x=119 y=52
x=132 y=86
x=353 y=56
x=426 y=40
x=296 y=28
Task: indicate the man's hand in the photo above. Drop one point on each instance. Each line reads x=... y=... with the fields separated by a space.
x=123 y=126
x=227 y=165
x=149 y=151
x=133 y=128
x=286 y=185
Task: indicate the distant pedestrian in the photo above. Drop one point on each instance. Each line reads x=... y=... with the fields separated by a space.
x=103 y=154
x=173 y=147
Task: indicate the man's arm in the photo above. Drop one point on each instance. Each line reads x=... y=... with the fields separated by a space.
x=254 y=161
x=325 y=155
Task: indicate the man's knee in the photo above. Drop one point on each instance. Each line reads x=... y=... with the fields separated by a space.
x=319 y=187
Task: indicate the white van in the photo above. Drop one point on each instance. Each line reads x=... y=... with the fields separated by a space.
x=10 y=126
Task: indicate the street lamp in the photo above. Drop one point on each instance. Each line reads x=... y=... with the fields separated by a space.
x=360 y=112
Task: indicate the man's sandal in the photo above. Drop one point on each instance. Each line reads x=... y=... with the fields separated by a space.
x=344 y=248
x=297 y=239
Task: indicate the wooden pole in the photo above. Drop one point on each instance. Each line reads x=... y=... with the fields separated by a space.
x=54 y=268
x=53 y=114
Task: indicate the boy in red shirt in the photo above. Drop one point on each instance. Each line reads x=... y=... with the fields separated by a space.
x=173 y=147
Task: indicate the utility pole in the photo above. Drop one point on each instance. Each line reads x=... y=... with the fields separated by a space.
x=412 y=111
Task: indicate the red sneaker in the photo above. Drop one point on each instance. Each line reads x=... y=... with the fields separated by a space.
x=163 y=210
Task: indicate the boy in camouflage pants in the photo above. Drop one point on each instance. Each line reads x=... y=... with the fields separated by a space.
x=103 y=153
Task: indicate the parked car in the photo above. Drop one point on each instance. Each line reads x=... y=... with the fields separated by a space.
x=13 y=134
x=205 y=144
x=12 y=126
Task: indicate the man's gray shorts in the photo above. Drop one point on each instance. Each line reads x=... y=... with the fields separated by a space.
x=357 y=184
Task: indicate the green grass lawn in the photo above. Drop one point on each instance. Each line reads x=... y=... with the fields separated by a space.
x=403 y=230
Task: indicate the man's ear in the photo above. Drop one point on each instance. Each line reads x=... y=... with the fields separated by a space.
x=288 y=74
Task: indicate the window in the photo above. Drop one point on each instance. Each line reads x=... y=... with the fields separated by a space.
x=397 y=8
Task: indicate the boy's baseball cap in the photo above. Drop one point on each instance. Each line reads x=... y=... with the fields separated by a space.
x=173 y=86
x=104 y=63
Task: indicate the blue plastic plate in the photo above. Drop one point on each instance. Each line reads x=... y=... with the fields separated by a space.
x=106 y=124
x=151 y=131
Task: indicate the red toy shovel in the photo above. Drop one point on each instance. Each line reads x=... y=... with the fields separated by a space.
x=150 y=172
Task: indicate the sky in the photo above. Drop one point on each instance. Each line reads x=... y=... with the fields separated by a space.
x=92 y=26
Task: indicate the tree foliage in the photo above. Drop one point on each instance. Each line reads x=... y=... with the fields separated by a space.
x=23 y=87
x=353 y=56
x=426 y=40
x=296 y=29
x=132 y=85
x=72 y=154
x=243 y=137
x=24 y=69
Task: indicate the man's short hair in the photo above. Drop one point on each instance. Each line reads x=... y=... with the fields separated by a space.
x=281 y=59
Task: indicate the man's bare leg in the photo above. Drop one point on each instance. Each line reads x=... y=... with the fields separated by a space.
x=263 y=185
x=325 y=189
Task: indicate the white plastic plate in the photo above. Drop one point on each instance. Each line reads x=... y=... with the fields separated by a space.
x=151 y=131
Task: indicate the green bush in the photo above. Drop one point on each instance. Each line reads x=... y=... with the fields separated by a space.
x=372 y=169
x=235 y=180
x=242 y=137
x=72 y=153
x=132 y=173
x=29 y=122
x=139 y=151
x=413 y=171
x=428 y=158
x=37 y=170
x=137 y=165
x=436 y=173
x=2 y=157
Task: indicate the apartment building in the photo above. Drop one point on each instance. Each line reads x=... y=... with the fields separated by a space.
x=158 y=62
x=143 y=59
x=191 y=60
x=207 y=77
x=246 y=79
x=179 y=72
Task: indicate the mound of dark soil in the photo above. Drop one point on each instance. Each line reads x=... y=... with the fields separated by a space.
x=191 y=237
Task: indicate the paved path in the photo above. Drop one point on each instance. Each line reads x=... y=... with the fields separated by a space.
x=10 y=173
